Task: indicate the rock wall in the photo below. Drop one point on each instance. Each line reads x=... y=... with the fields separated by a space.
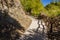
x=13 y=20
x=15 y=10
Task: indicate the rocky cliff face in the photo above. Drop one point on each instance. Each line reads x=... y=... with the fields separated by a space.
x=12 y=19
x=15 y=10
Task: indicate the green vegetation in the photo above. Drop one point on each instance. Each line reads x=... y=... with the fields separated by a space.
x=53 y=9
x=34 y=7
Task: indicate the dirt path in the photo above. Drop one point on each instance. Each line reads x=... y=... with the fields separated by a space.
x=34 y=25
x=32 y=34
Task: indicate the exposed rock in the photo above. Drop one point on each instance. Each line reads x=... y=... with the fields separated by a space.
x=15 y=10
x=13 y=20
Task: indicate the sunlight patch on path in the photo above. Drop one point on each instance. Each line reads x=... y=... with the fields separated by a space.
x=32 y=34
x=34 y=25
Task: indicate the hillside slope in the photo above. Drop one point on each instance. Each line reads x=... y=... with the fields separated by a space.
x=33 y=7
x=13 y=19
x=53 y=9
x=14 y=9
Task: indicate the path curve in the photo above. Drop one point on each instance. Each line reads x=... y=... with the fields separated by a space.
x=31 y=34
x=34 y=25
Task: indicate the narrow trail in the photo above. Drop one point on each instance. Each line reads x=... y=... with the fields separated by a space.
x=34 y=25
x=32 y=34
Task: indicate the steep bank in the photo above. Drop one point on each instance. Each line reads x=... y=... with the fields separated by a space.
x=15 y=10
x=13 y=20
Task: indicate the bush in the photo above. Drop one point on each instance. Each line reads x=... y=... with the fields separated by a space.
x=34 y=7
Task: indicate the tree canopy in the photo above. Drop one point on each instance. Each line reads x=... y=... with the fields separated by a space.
x=53 y=9
x=34 y=7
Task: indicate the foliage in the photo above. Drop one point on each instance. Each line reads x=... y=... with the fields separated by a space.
x=53 y=9
x=34 y=7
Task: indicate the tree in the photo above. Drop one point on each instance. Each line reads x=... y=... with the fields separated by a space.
x=53 y=9
x=34 y=7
